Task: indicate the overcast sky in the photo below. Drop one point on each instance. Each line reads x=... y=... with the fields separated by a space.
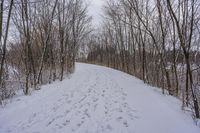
x=95 y=10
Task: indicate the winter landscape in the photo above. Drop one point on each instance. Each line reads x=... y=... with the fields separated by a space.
x=96 y=100
x=99 y=66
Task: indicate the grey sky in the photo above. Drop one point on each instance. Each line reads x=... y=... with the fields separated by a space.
x=95 y=10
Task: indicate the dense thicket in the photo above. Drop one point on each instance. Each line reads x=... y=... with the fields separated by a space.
x=43 y=41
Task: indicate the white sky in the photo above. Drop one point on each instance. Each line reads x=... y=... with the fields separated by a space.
x=95 y=10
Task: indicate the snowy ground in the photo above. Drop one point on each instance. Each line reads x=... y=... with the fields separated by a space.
x=96 y=100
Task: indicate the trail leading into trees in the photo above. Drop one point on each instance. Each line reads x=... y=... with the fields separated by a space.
x=96 y=100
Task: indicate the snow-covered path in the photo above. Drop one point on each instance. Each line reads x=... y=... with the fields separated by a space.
x=96 y=100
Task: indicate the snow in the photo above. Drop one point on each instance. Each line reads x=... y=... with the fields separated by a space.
x=96 y=99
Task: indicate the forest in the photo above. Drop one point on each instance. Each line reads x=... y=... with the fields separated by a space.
x=157 y=41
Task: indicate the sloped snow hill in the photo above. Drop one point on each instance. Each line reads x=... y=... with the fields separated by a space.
x=96 y=100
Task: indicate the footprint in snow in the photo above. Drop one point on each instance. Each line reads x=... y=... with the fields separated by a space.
x=123 y=98
x=124 y=94
x=109 y=127
x=125 y=123
x=119 y=118
x=67 y=122
x=83 y=118
x=59 y=100
x=59 y=126
x=95 y=100
x=115 y=101
x=67 y=112
x=50 y=122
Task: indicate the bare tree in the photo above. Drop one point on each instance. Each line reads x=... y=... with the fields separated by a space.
x=157 y=35
x=185 y=33
x=3 y=57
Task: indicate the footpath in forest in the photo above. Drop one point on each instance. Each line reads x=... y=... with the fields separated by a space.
x=96 y=99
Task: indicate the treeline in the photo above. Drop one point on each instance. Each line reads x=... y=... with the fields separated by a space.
x=156 y=41
x=45 y=38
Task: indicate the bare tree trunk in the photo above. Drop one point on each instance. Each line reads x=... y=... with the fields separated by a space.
x=46 y=42
x=1 y=18
x=5 y=38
